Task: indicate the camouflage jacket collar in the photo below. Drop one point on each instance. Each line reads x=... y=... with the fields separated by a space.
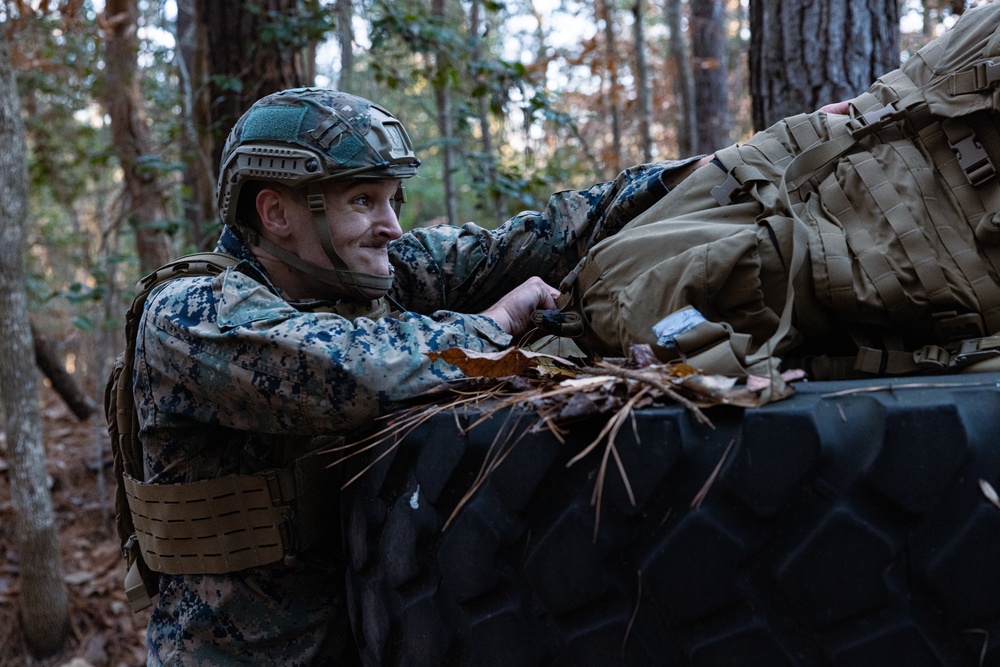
x=230 y=243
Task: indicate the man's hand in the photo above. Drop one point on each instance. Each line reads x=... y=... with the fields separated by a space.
x=840 y=108
x=513 y=311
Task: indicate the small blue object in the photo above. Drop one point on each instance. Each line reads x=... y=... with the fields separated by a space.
x=673 y=325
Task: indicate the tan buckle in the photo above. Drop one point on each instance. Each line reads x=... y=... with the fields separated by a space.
x=934 y=357
x=973 y=160
x=950 y=327
x=316 y=201
x=976 y=350
x=135 y=589
x=874 y=120
x=728 y=191
x=987 y=74
x=976 y=79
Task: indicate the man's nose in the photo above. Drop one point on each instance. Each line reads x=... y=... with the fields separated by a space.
x=387 y=223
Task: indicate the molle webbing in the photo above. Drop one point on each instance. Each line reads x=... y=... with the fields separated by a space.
x=210 y=527
x=955 y=147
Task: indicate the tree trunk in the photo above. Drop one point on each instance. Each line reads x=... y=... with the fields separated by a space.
x=807 y=54
x=43 y=597
x=200 y=208
x=442 y=96
x=145 y=207
x=614 y=162
x=344 y=11
x=642 y=83
x=711 y=74
x=687 y=118
x=485 y=130
x=62 y=382
x=242 y=65
x=305 y=58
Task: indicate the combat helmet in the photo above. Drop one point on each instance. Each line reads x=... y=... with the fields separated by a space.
x=301 y=138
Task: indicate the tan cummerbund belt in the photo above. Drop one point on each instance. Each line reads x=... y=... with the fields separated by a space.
x=209 y=527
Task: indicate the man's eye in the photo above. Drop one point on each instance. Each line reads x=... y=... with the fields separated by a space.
x=362 y=200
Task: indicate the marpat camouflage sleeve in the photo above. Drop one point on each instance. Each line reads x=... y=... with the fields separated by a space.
x=469 y=268
x=228 y=352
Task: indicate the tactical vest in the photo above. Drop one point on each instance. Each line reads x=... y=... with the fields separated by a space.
x=212 y=526
x=883 y=225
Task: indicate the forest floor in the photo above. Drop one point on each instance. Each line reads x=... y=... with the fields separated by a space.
x=103 y=630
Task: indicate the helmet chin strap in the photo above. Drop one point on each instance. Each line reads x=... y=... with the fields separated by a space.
x=353 y=284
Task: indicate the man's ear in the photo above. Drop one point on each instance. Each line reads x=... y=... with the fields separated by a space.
x=273 y=209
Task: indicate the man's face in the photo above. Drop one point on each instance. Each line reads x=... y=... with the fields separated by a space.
x=362 y=223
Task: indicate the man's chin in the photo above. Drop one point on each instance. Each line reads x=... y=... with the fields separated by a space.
x=373 y=293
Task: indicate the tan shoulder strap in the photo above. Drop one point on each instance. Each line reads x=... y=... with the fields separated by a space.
x=123 y=424
x=198 y=264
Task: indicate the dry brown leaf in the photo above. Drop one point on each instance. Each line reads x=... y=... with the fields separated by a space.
x=512 y=361
x=642 y=354
x=758 y=383
x=590 y=382
x=709 y=390
x=681 y=370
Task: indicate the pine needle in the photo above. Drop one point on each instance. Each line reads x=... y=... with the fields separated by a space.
x=700 y=497
x=635 y=612
x=489 y=466
x=611 y=428
x=547 y=401
x=639 y=376
x=621 y=471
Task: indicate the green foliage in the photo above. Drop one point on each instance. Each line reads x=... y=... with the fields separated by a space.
x=227 y=83
x=309 y=25
x=77 y=255
x=417 y=51
x=61 y=119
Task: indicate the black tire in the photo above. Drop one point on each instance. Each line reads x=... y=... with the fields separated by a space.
x=846 y=529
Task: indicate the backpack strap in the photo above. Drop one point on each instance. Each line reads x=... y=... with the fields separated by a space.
x=123 y=424
x=982 y=76
x=975 y=355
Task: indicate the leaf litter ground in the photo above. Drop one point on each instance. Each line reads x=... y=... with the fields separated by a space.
x=103 y=630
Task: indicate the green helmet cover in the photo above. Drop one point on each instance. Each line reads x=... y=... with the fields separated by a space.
x=300 y=138
x=308 y=135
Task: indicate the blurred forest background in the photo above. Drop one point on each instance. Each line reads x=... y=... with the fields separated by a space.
x=117 y=110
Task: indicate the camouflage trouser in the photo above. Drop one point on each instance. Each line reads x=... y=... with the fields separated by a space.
x=272 y=615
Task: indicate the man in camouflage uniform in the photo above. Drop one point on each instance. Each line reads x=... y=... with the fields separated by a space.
x=321 y=326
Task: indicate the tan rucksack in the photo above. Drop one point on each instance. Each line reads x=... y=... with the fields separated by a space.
x=873 y=235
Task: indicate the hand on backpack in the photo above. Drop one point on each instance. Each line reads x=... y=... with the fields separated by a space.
x=513 y=311
x=839 y=108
